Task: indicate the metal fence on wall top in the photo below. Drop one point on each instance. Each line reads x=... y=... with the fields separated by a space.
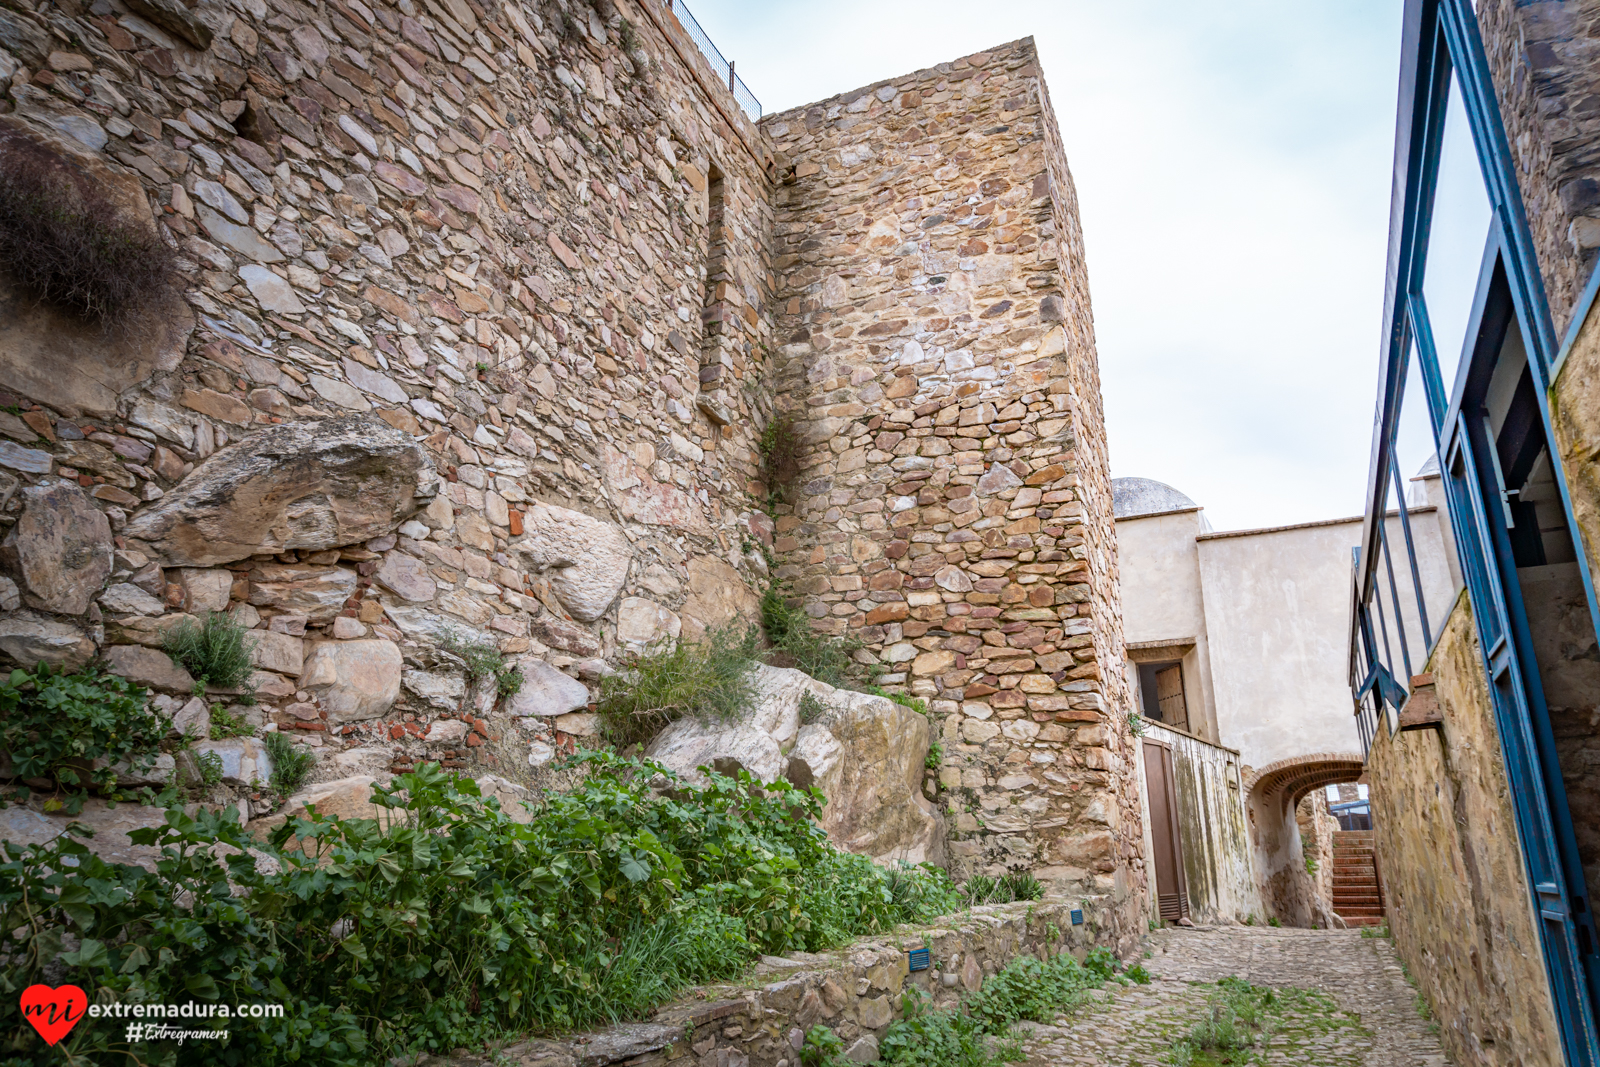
x=723 y=67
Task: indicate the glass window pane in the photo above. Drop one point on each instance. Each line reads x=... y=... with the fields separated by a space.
x=1456 y=236
x=1431 y=543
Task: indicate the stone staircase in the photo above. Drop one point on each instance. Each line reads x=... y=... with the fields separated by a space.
x=1356 y=897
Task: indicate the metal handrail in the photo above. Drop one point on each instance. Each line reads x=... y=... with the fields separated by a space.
x=724 y=67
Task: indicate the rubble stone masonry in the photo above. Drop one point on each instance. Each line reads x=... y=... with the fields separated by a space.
x=529 y=268
x=954 y=511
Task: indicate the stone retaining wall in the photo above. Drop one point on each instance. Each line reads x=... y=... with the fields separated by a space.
x=483 y=229
x=1454 y=886
x=855 y=991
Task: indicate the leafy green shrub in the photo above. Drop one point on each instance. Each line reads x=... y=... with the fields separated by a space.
x=934 y=757
x=708 y=681
x=827 y=659
x=58 y=725
x=290 y=764
x=215 y=650
x=64 y=240
x=484 y=660
x=450 y=922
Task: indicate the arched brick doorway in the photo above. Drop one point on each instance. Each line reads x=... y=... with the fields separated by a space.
x=1291 y=893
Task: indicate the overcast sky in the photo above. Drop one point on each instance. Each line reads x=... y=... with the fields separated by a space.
x=1232 y=163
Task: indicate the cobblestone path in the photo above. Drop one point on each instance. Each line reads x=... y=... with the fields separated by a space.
x=1135 y=1026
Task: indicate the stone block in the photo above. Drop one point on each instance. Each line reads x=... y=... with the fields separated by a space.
x=545 y=690
x=148 y=667
x=354 y=680
x=60 y=547
x=205 y=589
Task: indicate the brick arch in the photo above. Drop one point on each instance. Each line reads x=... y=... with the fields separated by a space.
x=1299 y=775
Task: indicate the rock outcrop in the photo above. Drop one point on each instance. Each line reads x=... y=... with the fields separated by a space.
x=311 y=485
x=865 y=753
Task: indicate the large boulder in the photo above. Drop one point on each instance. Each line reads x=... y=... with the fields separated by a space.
x=60 y=548
x=589 y=557
x=353 y=680
x=312 y=485
x=865 y=753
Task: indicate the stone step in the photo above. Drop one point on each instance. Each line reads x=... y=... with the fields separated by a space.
x=1357 y=899
x=1362 y=920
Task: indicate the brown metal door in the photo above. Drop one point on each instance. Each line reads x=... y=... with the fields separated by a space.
x=1171 y=891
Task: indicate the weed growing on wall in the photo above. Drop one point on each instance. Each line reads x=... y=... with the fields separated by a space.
x=709 y=680
x=779 y=446
x=828 y=659
x=63 y=240
x=290 y=763
x=215 y=650
x=484 y=660
x=72 y=728
x=448 y=924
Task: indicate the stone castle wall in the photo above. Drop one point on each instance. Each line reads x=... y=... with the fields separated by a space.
x=1545 y=62
x=1457 y=899
x=482 y=308
x=953 y=508
x=485 y=226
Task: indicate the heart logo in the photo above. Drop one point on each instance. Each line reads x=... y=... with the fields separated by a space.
x=53 y=1012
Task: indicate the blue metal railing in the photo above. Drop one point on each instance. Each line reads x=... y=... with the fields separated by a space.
x=724 y=68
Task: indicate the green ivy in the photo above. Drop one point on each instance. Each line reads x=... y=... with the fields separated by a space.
x=74 y=727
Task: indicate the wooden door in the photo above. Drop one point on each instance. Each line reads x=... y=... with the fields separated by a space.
x=1172 y=894
x=1169 y=697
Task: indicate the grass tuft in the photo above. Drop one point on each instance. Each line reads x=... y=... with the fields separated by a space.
x=708 y=681
x=214 y=650
x=290 y=764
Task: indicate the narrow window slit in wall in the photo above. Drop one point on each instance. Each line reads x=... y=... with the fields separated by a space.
x=721 y=298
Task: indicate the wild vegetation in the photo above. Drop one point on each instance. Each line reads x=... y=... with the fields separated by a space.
x=63 y=240
x=978 y=1032
x=708 y=680
x=449 y=924
x=215 y=650
x=1241 y=1019
x=72 y=729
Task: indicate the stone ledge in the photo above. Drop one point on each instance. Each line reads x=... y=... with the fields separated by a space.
x=855 y=990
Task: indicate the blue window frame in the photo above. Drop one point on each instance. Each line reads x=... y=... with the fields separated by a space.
x=1454 y=318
